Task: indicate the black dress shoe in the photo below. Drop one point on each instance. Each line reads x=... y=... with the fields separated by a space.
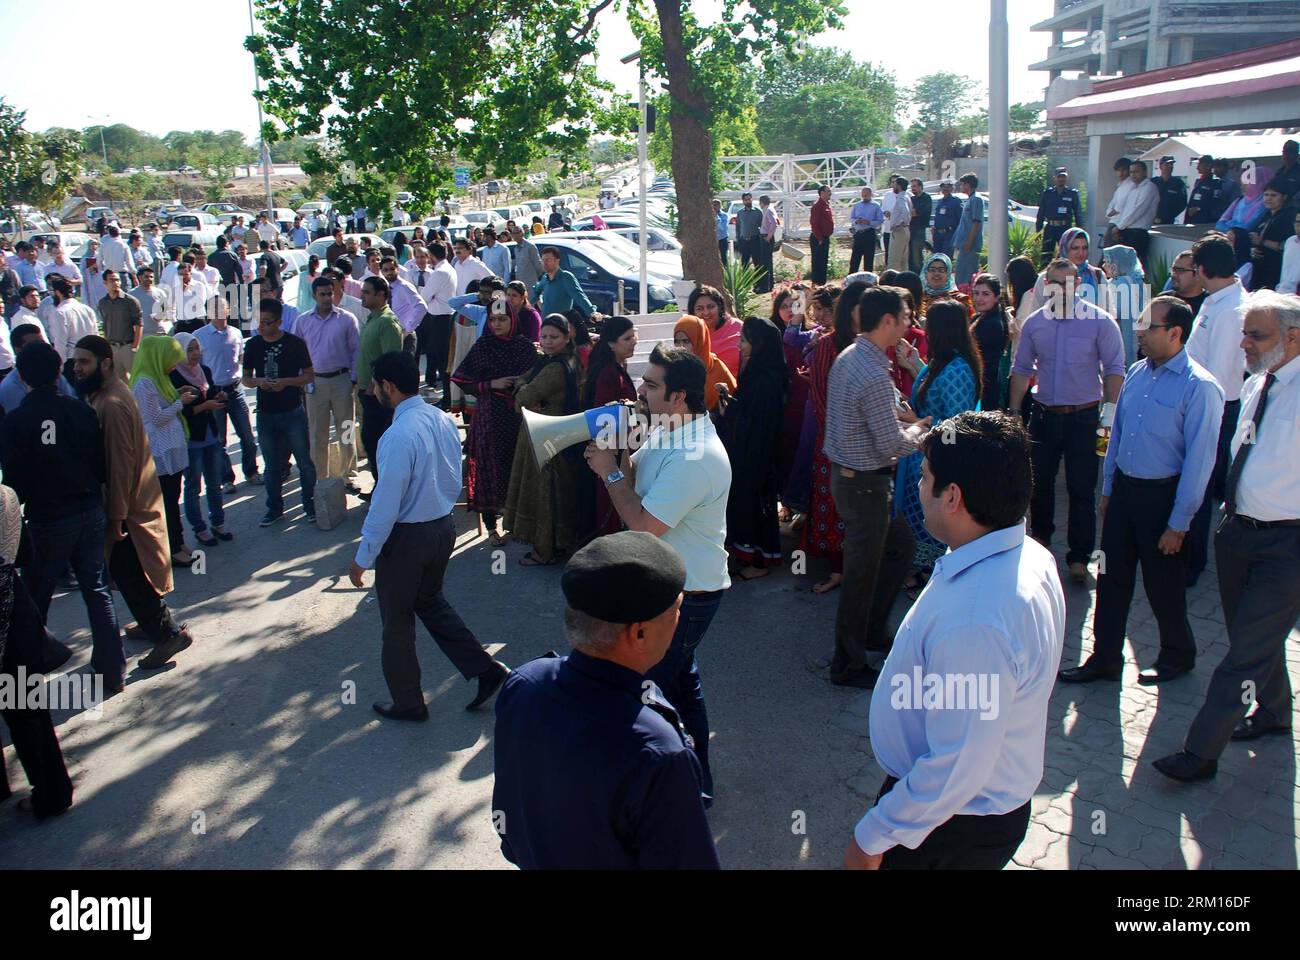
x=1254 y=727
x=1186 y=767
x=1158 y=674
x=414 y=714
x=863 y=679
x=489 y=682
x=353 y=489
x=1086 y=673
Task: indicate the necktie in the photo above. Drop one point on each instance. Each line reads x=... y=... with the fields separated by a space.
x=420 y=280
x=1248 y=444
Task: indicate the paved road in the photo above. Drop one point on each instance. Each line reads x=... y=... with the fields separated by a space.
x=250 y=752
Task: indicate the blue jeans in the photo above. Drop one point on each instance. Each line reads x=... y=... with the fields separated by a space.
x=79 y=538
x=237 y=411
x=276 y=432
x=204 y=468
x=679 y=678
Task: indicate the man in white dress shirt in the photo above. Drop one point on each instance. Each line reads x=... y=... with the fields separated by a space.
x=435 y=278
x=408 y=537
x=898 y=216
x=1257 y=547
x=960 y=731
x=115 y=254
x=1135 y=219
x=1123 y=187
x=1215 y=344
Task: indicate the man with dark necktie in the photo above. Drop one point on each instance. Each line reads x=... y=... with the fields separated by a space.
x=1257 y=547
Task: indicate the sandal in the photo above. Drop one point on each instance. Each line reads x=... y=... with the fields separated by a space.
x=222 y=533
x=187 y=563
x=828 y=585
x=531 y=559
x=211 y=541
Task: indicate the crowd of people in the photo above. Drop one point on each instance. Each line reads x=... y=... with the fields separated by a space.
x=904 y=429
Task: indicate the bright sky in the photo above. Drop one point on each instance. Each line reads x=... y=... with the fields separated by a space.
x=183 y=67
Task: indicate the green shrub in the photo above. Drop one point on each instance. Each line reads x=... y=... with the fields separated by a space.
x=1028 y=178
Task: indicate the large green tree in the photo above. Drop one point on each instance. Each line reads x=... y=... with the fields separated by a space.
x=502 y=83
x=39 y=169
x=942 y=99
x=824 y=100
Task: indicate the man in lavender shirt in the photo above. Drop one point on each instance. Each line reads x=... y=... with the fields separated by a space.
x=1076 y=352
x=333 y=338
x=405 y=301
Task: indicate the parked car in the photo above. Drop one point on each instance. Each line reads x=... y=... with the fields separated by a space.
x=185 y=238
x=404 y=197
x=497 y=186
x=33 y=223
x=187 y=170
x=483 y=218
x=223 y=206
x=314 y=206
x=457 y=226
x=598 y=272
x=295 y=262
x=94 y=213
x=664 y=264
x=196 y=220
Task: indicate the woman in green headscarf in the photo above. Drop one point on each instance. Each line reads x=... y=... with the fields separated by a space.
x=938 y=283
x=160 y=403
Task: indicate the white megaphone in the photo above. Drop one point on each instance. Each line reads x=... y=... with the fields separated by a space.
x=550 y=435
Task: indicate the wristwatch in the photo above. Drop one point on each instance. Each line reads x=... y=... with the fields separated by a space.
x=613 y=478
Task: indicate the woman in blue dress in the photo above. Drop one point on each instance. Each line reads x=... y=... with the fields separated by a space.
x=948 y=385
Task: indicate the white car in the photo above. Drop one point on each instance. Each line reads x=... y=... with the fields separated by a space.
x=663 y=265
x=457 y=226
x=74 y=245
x=295 y=263
x=318 y=247
x=484 y=218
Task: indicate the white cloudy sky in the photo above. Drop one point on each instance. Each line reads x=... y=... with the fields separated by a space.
x=182 y=66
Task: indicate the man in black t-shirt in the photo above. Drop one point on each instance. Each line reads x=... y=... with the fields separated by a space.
x=279 y=366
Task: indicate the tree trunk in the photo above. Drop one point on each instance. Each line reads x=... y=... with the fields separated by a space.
x=692 y=154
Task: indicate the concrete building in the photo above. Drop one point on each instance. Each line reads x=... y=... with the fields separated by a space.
x=1113 y=37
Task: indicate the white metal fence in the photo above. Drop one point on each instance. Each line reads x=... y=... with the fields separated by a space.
x=791 y=180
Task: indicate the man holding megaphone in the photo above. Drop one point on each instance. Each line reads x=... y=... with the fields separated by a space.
x=675 y=486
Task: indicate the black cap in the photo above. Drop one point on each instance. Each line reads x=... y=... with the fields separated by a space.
x=1207 y=159
x=626 y=577
x=1166 y=159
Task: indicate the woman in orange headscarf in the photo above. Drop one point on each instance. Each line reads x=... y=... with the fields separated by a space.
x=693 y=334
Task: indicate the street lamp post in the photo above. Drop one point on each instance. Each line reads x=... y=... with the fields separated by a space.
x=265 y=153
x=999 y=135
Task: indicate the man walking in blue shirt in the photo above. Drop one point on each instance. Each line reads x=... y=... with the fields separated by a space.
x=1158 y=463
x=721 y=219
x=408 y=537
x=960 y=731
x=969 y=237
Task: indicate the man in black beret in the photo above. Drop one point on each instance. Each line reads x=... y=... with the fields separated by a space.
x=593 y=768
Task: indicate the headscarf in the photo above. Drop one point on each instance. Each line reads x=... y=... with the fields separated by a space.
x=702 y=346
x=1067 y=238
x=767 y=355
x=152 y=359
x=949 y=287
x=192 y=376
x=494 y=356
x=1126 y=262
x=1248 y=210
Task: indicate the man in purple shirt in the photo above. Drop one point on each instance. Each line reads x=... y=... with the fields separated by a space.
x=333 y=339
x=405 y=301
x=1076 y=352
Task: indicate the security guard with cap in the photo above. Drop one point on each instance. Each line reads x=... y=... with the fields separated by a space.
x=1059 y=209
x=947 y=214
x=593 y=768
x=1173 y=193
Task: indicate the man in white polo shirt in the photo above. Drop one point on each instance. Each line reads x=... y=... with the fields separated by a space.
x=675 y=486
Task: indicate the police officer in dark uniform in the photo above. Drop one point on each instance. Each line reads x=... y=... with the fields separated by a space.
x=947 y=214
x=1058 y=211
x=593 y=768
x=1173 y=193
x=1206 y=202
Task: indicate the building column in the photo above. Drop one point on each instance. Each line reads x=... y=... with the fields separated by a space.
x=1103 y=151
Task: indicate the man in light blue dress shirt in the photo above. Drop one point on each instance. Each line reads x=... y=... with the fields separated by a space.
x=1158 y=463
x=408 y=537
x=723 y=226
x=495 y=255
x=968 y=241
x=866 y=219
x=959 y=716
